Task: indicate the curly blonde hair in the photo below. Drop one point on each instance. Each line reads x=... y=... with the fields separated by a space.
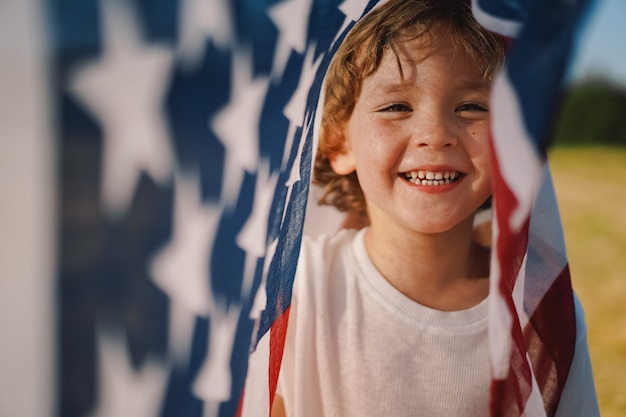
x=359 y=57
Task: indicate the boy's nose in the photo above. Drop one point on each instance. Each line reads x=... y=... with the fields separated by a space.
x=435 y=133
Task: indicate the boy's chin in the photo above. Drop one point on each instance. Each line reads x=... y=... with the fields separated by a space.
x=433 y=228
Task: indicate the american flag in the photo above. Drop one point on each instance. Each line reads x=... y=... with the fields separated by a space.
x=169 y=145
x=532 y=320
x=155 y=171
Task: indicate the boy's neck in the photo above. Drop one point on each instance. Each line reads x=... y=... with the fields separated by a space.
x=445 y=271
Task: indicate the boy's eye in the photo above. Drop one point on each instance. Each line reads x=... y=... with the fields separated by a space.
x=472 y=107
x=396 y=107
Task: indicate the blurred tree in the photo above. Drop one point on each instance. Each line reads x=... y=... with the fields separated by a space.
x=593 y=112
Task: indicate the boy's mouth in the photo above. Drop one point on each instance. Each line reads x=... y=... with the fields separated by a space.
x=423 y=177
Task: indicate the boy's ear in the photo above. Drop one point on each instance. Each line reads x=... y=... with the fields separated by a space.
x=343 y=163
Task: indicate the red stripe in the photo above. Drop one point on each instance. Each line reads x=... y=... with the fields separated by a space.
x=278 y=332
x=240 y=406
x=551 y=339
x=508 y=397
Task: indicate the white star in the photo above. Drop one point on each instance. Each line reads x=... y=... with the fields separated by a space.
x=237 y=126
x=259 y=302
x=249 y=269
x=213 y=383
x=211 y=409
x=122 y=390
x=199 y=20
x=181 y=326
x=124 y=89
x=181 y=269
x=294 y=110
x=253 y=235
x=291 y=17
x=294 y=174
x=353 y=10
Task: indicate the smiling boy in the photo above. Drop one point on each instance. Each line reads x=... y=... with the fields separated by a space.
x=391 y=320
x=412 y=126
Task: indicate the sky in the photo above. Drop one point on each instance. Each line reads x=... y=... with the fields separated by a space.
x=602 y=49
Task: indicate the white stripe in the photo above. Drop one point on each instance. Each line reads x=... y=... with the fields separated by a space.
x=510 y=28
x=549 y=225
x=546 y=239
x=500 y=320
x=256 y=400
x=520 y=165
x=534 y=405
x=519 y=293
x=27 y=215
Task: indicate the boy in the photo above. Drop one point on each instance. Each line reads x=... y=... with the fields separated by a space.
x=392 y=319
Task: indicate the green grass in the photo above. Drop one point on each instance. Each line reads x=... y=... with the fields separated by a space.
x=590 y=187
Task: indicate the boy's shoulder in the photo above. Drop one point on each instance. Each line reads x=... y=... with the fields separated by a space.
x=323 y=257
x=327 y=246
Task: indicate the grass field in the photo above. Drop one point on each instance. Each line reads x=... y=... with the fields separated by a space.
x=590 y=188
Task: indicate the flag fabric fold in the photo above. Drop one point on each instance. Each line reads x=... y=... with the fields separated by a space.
x=532 y=312
x=185 y=133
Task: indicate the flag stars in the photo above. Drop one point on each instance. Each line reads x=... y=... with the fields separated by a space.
x=214 y=381
x=294 y=173
x=124 y=391
x=124 y=89
x=254 y=233
x=253 y=236
x=202 y=19
x=295 y=112
x=353 y=10
x=237 y=126
x=295 y=109
x=291 y=17
x=182 y=269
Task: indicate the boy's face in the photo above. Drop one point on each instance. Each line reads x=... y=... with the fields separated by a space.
x=419 y=141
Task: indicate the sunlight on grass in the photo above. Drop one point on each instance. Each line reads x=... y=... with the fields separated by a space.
x=590 y=189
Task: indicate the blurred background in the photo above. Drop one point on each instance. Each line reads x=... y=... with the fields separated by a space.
x=588 y=161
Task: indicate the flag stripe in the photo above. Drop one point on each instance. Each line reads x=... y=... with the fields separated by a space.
x=277 y=344
x=551 y=340
x=503 y=20
x=256 y=400
x=529 y=266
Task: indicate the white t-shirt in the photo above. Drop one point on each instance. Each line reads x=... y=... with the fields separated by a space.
x=356 y=346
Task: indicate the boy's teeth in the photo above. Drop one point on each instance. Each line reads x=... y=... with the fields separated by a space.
x=431 y=178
